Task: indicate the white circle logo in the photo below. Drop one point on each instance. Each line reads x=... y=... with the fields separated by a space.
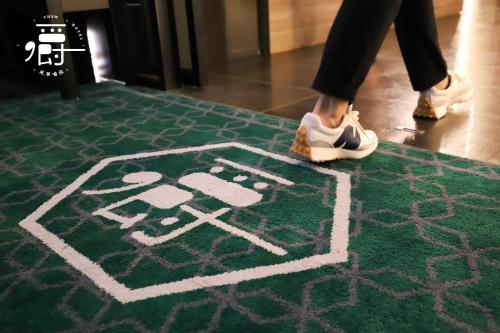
x=47 y=51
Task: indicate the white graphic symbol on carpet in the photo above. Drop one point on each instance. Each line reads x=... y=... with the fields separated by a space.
x=168 y=196
x=242 y=191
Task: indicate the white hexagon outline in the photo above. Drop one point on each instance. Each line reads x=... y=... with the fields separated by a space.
x=338 y=242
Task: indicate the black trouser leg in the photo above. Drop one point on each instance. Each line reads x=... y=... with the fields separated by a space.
x=357 y=35
x=418 y=40
x=355 y=39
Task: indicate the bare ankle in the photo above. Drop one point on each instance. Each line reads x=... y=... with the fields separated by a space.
x=444 y=84
x=331 y=110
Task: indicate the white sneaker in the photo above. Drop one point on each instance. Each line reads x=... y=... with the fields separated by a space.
x=434 y=103
x=318 y=143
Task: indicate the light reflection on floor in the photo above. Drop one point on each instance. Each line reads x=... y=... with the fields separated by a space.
x=280 y=85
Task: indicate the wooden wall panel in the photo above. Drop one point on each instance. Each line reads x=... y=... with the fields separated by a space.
x=298 y=23
x=80 y=5
x=447 y=7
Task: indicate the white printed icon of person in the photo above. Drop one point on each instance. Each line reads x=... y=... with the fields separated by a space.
x=167 y=196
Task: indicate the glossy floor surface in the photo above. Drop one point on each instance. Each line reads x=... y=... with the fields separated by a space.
x=280 y=85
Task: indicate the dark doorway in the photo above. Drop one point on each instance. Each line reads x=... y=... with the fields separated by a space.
x=136 y=30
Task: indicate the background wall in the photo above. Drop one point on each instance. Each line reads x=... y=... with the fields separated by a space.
x=299 y=23
x=230 y=29
x=79 y=5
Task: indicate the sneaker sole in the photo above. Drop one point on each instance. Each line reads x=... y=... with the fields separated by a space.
x=426 y=110
x=301 y=147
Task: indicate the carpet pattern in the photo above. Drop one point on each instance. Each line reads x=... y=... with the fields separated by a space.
x=424 y=228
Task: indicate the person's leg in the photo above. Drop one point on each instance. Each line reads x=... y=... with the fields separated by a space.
x=418 y=40
x=332 y=131
x=417 y=36
x=330 y=110
x=354 y=40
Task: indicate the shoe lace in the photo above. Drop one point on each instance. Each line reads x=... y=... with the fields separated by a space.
x=355 y=119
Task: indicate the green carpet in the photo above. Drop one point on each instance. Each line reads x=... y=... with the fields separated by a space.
x=134 y=210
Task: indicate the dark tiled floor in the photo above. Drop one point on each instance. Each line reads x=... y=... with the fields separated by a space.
x=279 y=85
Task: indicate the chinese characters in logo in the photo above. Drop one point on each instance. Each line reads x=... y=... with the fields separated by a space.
x=50 y=48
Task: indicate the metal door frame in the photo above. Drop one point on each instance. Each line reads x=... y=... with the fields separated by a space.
x=197 y=74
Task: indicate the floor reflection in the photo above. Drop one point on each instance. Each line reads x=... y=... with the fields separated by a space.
x=281 y=86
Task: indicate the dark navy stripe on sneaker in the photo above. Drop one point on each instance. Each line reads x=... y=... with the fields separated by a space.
x=350 y=139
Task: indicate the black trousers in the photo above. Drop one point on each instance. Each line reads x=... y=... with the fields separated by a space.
x=357 y=35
